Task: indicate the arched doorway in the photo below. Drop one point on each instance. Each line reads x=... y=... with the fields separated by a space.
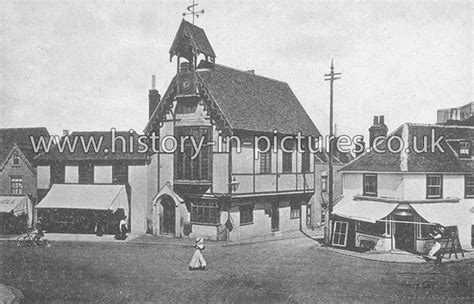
x=168 y=217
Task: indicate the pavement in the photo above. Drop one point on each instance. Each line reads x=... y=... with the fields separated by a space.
x=315 y=235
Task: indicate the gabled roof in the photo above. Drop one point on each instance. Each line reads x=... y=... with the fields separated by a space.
x=449 y=161
x=80 y=153
x=14 y=150
x=191 y=40
x=255 y=103
x=20 y=137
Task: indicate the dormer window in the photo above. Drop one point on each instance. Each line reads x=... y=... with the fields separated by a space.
x=16 y=160
x=465 y=149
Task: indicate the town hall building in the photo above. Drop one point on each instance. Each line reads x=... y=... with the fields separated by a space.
x=225 y=193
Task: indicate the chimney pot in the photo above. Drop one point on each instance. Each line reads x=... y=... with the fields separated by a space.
x=381 y=119
x=153 y=82
x=65 y=132
x=376 y=120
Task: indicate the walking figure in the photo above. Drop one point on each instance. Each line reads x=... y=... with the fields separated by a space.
x=436 y=235
x=197 y=261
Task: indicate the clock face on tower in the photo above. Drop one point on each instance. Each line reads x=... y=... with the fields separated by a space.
x=186 y=85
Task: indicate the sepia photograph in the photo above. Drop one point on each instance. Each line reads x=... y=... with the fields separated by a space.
x=238 y=151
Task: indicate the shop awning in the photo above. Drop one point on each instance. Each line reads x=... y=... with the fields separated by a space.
x=445 y=213
x=17 y=204
x=92 y=197
x=363 y=210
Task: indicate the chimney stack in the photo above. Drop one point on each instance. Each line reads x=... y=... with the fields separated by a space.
x=378 y=129
x=153 y=97
x=65 y=132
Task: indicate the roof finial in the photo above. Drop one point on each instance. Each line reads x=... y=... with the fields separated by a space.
x=191 y=10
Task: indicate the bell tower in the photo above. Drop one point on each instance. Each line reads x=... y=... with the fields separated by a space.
x=189 y=44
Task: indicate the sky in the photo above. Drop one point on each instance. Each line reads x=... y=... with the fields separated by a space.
x=87 y=65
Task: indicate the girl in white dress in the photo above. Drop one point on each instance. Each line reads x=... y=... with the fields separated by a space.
x=197 y=261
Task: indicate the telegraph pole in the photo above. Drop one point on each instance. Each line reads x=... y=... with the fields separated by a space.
x=330 y=77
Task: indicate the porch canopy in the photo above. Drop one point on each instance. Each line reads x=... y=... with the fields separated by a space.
x=18 y=205
x=363 y=210
x=92 y=197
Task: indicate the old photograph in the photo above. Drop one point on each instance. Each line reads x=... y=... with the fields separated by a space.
x=204 y=151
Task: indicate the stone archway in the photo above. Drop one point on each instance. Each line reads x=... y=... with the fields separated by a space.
x=169 y=212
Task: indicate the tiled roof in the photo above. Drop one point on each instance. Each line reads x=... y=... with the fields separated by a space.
x=468 y=122
x=447 y=161
x=20 y=137
x=80 y=153
x=254 y=103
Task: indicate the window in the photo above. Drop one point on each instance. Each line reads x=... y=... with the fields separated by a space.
x=295 y=210
x=287 y=161
x=469 y=186
x=339 y=237
x=58 y=172
x=465 y=149
x=186 y=106
x=378 y=229
x=119 y=174
x=16 y=185
x=370 y=184
x=246 y=214
x=472 y=235
x=266 y=162
x=324 y=183
x=86 y=173
x=306 y=161
x=434 y=186
x=204 y=212
x=16 y=160
x=198 y=168
x=308 y=215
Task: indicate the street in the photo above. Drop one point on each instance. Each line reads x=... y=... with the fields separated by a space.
x=292 y=271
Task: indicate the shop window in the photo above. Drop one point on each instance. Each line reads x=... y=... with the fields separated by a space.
x=370 y=184
x=204 y=212
x=339 y=237
x=16 y=185
x=469 y=186
x=434 y=186
x=378 y=228
x=295 y=210
x=246 y=214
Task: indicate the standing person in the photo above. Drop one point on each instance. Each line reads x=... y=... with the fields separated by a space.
x=39 y=230
x=436 y=235
x=197 y=261
x=123 y=228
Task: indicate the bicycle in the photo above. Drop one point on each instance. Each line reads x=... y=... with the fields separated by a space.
x=31 y=239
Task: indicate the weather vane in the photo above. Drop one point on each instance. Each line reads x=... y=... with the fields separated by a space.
x=192 y=11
